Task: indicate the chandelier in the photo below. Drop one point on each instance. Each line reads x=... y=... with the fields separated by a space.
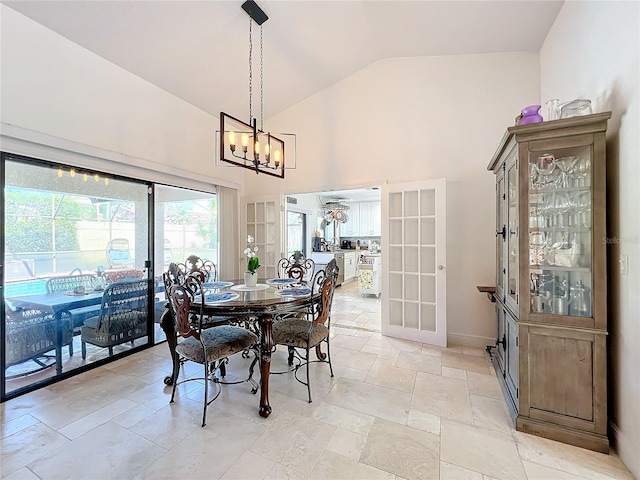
x=244 y=144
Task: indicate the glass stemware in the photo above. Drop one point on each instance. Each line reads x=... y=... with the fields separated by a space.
x=561 y=206
x=546 y=163
x=565 y=164
x=584 y=168
x=579 y=170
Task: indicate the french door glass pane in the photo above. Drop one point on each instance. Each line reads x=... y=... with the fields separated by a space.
x=75 y=285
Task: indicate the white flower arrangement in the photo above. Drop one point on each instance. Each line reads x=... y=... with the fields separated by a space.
x=253 y=262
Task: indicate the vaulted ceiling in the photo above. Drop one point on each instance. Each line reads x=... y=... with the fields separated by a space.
x=198 y=50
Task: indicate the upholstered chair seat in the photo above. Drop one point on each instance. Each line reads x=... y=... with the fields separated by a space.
x=220 y=342
x=298 y=332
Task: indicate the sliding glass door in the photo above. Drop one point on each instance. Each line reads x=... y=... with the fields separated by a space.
x=76 y=283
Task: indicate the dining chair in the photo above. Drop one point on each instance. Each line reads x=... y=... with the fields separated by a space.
x=194 y=263
x=296 y=267
x=209 y=347
x=304 y=332
x=176 y=274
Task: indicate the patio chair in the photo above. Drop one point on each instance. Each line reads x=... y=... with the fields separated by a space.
x=209 y=347
x=118 y=253
x=70 y=283
x=122 y=317
x=309 y=330
x=30 y=335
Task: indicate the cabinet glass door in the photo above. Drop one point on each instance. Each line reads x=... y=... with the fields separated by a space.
x=500 y=236
x=560 y=222
x=511 y=234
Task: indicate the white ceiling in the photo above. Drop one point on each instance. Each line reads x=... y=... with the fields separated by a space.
x=198 y=50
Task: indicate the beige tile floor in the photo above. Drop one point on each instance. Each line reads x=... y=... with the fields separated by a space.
x=394 y=410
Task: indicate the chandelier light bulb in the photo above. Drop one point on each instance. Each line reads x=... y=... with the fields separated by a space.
x=245 y=142
x=85 y=177
x=256 y=150
x=106 y=181
x=96 y=177
x=232 y=141
x=276 y=157
x=72 y=173
x=60 y=172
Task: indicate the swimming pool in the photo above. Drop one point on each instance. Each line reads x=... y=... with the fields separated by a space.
x=28 y=287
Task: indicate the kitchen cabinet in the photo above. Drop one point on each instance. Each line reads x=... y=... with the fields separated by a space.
x=369 y=218
x=364 y=220
x=352 y=227
x=551 y=299
x=350 y=265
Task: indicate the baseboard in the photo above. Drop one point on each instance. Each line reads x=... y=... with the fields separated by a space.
x=469 y=340
x=623 y=448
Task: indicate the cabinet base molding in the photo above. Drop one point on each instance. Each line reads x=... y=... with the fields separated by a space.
x=591 y=441
x=466 y=340
x=510 y=401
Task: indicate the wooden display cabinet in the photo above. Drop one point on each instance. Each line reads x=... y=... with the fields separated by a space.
x=551 y=299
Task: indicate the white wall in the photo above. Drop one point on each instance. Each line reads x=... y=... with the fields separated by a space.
x=53 y=86
x=404 y=119
x=593 y=52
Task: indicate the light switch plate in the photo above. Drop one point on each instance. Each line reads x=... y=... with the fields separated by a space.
x=624 y=264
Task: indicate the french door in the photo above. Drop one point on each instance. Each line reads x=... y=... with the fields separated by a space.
x=414 y=253
x=263 y=220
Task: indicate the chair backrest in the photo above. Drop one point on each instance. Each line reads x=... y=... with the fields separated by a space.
x=181 y=297
x=173 y=276
x=210 y=270
x=30 y=333
x=195 y=263
x=124 y=302
x=296 y=267
x=69 y=283
x=332 y=269
x=326 y=300
x=118 y=253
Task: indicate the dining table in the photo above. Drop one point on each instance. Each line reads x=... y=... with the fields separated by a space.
x=255 y=308
x=57 y=303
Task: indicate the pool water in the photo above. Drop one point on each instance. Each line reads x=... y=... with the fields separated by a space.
x=29 y=287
